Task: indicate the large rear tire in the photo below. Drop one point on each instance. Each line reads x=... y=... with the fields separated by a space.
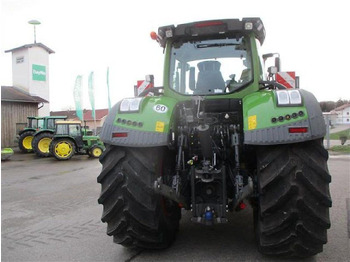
x=135 y=215
x=292 y=216
x=25 y=141
x=41 y=144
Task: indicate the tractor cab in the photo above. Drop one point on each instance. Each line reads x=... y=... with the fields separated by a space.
x=212 y=57
x=35 y=123
x=70 y=129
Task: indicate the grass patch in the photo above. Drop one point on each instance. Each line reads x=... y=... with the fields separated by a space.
x=341 y=149
x=336 y=136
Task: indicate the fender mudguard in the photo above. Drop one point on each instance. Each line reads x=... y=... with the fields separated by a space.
x=147 y=127
x=27 y=129
x=44 y=131
x=265 y=123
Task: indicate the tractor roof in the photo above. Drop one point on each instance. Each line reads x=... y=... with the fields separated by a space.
x=212 y=28
x=60 y=122
x=55 y=117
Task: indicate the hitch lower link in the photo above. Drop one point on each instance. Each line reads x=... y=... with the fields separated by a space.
x=168 y=192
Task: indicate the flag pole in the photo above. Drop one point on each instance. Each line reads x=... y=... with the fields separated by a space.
x=109 y=98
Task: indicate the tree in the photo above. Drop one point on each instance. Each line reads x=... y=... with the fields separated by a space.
x=327 y=106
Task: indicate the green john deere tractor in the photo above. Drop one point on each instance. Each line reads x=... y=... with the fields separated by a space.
x=26 y=135
x=70 y=138
x=219 y=134
x=42 y=138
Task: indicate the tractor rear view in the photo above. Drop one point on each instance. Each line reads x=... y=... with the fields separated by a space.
x=70 y=139
x=219 y=134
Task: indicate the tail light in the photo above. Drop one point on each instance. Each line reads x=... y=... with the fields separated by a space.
x=295 y=130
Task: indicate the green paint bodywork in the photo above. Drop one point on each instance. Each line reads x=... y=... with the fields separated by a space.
x=259 y=107
x=263 y=105
x=148 y=116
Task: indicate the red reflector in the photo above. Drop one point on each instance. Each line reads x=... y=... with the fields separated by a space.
x=294 y=130
x=123 y=134
x=211 y=23
x=242 y=206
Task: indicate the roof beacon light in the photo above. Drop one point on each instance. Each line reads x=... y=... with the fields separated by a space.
x=248 y=26
x=154 y=35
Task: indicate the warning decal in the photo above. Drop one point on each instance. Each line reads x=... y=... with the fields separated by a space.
x=286 y=78
x=160 y=126
x=252 y=123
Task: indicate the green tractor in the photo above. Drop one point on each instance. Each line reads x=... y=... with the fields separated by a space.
x=42 y=138
x=26 y=135
x=219 y=134
x=70 y=138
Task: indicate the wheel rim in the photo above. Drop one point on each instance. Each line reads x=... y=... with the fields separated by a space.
x=44 y=145
x=63 y=149
x=96 y=152
x=27 y=142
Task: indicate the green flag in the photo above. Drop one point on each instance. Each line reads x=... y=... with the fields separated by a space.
x=92 y=94
x=78 y=97
x=109 y=98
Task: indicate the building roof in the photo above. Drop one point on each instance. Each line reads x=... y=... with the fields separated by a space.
x=100 y=114
x=340 y=108
x=15 y=94
x=49 y=50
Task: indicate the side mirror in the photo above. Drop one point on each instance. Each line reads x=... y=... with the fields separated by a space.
x=192 y=80
x=278 y=63
x=277 y=60
x=150 y=78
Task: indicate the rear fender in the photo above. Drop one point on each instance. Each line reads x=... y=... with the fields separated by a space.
x=44 y=131
x=25 y=130
x=147 y=127
x=260 y=111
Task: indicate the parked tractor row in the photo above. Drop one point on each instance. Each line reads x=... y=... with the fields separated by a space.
x=53 y=135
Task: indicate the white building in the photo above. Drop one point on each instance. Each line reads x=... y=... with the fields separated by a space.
x=343 y=114
x=30 y=71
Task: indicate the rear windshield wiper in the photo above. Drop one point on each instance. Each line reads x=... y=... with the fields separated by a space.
x=214 y=45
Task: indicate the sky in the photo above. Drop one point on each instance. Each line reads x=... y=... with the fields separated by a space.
x=312 y=38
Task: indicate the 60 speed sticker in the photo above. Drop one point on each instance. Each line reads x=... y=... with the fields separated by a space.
x=160 y=109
